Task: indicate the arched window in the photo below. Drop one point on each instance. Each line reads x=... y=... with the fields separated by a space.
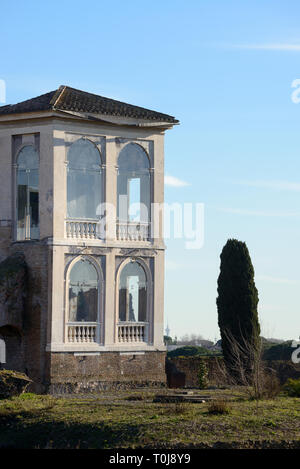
x=133 y=184
x=84 y=180
x=83 y=292
x=28 y=194
x=133 y=293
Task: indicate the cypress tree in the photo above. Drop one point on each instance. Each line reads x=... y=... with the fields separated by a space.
x=237 y=304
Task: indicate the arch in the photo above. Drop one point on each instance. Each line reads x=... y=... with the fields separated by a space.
x=133 y=306
x=84 y=180
x=27 y=193
x=83 y=290
x=27 y=157
x=84 y=146
x=133 y=187
x=133 y=157
x=91 y=259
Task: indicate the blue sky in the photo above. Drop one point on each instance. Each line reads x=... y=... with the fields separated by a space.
x=225 y=70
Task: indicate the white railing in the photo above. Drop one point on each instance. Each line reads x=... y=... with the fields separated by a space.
x=133 y=231
x=81 y=229
x=82 y=333
x=132 y=332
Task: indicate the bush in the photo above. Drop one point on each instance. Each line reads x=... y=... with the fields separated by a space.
x=188 y=351
x=202 y=375
x=292 y=387
x=219 y=407
x=176 y=408
x=270 y=385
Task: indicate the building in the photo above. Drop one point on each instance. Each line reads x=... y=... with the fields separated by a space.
x=79 y=175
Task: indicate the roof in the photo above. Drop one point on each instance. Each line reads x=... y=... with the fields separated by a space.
x=69 y=99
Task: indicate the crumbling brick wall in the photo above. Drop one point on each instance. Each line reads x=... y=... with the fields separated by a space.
x=108 y=370
x=188 y=367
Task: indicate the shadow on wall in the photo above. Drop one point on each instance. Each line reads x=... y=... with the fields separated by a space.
x=175 y=378
x=11 y=349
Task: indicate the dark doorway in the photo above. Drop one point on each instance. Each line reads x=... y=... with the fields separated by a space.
x=14 y=348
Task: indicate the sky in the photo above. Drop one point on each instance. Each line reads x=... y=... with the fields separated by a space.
x=225 y=70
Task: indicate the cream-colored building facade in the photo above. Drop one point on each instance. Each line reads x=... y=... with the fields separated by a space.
x=79 y=177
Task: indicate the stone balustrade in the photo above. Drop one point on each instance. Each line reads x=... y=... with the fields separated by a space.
x=81 y=229
x=132 y=231
x=82 y=333
x=132 y=332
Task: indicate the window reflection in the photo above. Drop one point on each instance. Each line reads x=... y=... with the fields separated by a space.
x=27 y=194
x=84 y=180
x=133 y=293
x=83 y=292
x=133 y=184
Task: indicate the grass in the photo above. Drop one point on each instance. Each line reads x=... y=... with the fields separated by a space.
x=129 y=420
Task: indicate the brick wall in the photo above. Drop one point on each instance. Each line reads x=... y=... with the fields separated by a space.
x=183 y=371
x=109 y=370
x=36 y=310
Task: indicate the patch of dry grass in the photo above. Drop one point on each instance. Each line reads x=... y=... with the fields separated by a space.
x=113 y=421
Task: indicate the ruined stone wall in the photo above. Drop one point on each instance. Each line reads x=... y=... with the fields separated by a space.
x=183 y=371
x=5 y=238
x=109 y=370
x=36 y=310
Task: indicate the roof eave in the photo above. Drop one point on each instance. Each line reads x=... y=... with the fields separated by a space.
x=88 y=117
x=118 y=120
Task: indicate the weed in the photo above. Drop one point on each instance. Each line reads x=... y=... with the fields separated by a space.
x=292 y=387
x=218 y=407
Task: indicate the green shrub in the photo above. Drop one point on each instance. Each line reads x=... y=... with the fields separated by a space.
x=292 y=386
x=188 y=351
x=28 y=396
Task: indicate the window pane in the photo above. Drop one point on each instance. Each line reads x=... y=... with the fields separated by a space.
x=133 y=184
x=83 y=292
x=83 y=304
x=21 y=212
x=122 y=304
x=84 y=180
x=132 y=293
x=34 y=210
x=83 y=154
x=142 y=304
x=83 y=272
x=84 y=194
x=28 y=158
x=33 y=179
x=133 y=159
x=27 y=194
x=134 y=191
